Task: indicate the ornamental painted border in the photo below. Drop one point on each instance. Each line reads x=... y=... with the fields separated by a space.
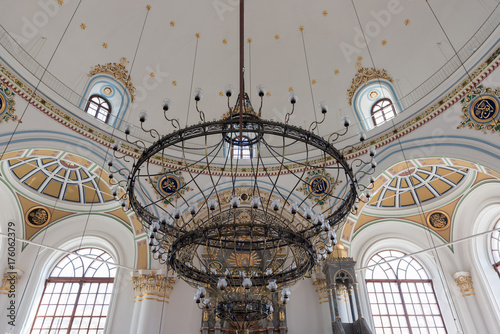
x=492 y=124
x=8 y=103
x=92 y=133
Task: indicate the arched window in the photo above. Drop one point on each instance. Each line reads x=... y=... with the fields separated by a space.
x=495 y=248
x=98 y=107
x=382 y=111
x=242 y=149
x=401 y=295
x=77 y=294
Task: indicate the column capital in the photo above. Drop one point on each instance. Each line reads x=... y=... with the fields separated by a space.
x=464 y=283
x=152 y=285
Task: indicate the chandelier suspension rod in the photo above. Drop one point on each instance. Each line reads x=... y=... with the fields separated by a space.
x=242 y=63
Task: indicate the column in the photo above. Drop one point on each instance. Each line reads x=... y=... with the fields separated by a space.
x=337 y=323
x=342 y=303
x=351 y=301
x=152 y=289
x=466 y=286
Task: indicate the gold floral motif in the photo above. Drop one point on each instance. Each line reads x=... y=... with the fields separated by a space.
x=119 y=72
x=363 y=76
x=321 y=289
x=464 y=283
x=152 y=284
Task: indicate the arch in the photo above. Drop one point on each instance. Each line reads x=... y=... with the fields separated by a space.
x=113 y=91
x=401 y=294
x=99 y=107
x=77 y=293
x=370 y=95
x=495 y=247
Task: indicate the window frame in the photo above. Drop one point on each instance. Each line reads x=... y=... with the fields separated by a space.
x=400 y=291
x=238 y=151
x=383 y=111
x=99 y=107
x=61 y=305
x=495 y=248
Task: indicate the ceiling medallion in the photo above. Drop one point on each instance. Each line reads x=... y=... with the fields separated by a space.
x=7 y=104
x=480 y=109
x=117 y=71
x=438 y=220
x=108 y=91
x=38 y=217
x=169 y=185
x=241 y=237
x=363 y=76
x=318 y=185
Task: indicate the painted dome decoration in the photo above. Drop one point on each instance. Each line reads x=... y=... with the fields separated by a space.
x=418 y=185
x=61 y=179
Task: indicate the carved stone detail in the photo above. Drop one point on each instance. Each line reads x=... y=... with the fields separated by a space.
x=10 y=277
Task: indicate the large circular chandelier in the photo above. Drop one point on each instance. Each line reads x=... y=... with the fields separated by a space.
x=221 y=202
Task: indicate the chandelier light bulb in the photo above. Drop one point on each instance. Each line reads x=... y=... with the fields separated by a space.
x=362 y=136
x=255 y=203
x=143 y=116
x=332 y=234
x=374 y=164
x=116 y=145
x=167 y=104
x=325 y=226
x=212 y=204
x=114 y=191
x=329 y=250
x=272 y=286
x=276 y=204
x=202 y=292
x=319 y=220
x=323 y=107
x=368 y=194
x=269 y=272
x=373 y=151
x=294 y=208
x=372 y=180
x=123 y=203
x=235 y=202
x=163 y=219
x=261 y=90
x=227 y=272
x=308 y=213
x=222 y=284
x=292 y=97
x=346 y=121
x=128 y=129
x=247 y=283
x=177 y=212
x=198 y=94
x=110 y=162
x=229 y=90
x=192 y=208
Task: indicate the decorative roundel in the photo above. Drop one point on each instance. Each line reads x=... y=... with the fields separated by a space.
x=108 y=91
x=319 y=185
x=373 y=94
x=438 y=220
x=169 y=184
x=38 y=217
x=3 y=104
x=484 y=108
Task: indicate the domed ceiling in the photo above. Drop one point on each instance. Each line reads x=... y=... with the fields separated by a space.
x=60 y=179
x=172 y=47
x=418 y=185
